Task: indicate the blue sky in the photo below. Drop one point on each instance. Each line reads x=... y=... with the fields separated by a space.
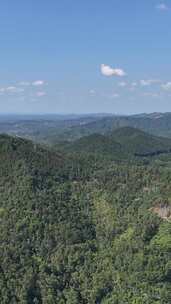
x=63 y=56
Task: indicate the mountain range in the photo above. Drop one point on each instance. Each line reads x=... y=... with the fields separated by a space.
x=86 y=220
x=51 y=128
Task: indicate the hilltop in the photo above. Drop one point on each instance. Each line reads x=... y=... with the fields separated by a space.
x=141 y=143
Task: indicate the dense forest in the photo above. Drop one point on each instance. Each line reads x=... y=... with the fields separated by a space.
x=87 y=221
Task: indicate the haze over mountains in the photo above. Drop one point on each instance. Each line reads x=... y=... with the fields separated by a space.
x=51 y=128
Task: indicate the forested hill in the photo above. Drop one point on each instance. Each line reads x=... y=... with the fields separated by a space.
x=155 y=123
x=121 y=143
x=52 y=128
x=97 y=144
x=74 y=230
x=140 y=142
x=18 y=152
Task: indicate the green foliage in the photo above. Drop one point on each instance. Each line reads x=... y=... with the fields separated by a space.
x=79 y=228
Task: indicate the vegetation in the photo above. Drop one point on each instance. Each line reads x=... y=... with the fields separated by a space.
x=50 y=129
x=123 y=143
x=85 y=224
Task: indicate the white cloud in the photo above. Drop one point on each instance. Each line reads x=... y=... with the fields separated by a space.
x=166 y=86
x=149 y=82
x=34 y=83
x=122 y=84
x=106 y=70
x=24 y=83
x=145 y=82
x=40 y=94
x=11 y=89
x=115 y=95
x=134 y=84
x=162 y=7
x=38 y=83
x=92 y=92
x=154 y=95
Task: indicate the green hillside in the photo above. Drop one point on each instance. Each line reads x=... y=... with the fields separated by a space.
x=140 y=142
x=72 y=231
x=158 y=124
x=122 y=143
x=50 y=129
x=99 y=145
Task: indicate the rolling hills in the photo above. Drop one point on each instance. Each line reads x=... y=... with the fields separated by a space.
x=75 y=232
x=50 y=129
x=158 y=124
x=141 y=143
x=121 y=143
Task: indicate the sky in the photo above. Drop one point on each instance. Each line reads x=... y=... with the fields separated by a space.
x=93 y=56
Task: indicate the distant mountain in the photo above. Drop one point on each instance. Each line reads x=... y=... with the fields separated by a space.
x=139 y=142
x=51 y=129
x=155 y=123
x=45 y=128
x=122 y=143
x=98 y=144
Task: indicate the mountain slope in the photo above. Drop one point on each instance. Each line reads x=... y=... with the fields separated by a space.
x=139 y=142
x=98 y=144
x=52 y=128
x=122 y=143
x=70 y=237
x=16 y=153
x=158 y=124
x=39 y=217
